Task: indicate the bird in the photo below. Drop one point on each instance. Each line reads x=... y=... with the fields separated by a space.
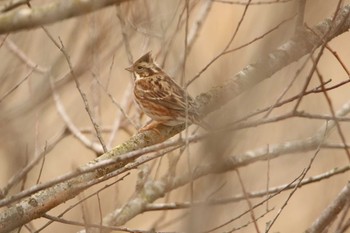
x=160 y=97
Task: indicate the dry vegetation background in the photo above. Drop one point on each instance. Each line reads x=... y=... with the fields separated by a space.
x=46 y=131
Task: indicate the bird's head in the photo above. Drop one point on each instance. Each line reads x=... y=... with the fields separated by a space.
x=144 y=66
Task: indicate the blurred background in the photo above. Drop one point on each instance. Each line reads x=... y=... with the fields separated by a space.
x=101 y=44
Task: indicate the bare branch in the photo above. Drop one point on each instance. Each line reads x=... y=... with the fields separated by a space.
x=52 y=12
x=331 y=212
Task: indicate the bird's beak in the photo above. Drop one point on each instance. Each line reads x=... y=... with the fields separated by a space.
x=130 y=69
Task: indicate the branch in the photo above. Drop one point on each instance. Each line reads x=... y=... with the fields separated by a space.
x=331 y=212
x=49 y=13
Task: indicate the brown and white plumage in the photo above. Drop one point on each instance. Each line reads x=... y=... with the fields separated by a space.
x=159 y=96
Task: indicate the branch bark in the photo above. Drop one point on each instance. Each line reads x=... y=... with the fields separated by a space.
x=331 y=212
x=53 y=12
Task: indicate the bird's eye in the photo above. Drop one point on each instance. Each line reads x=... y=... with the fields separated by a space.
x=139 y=67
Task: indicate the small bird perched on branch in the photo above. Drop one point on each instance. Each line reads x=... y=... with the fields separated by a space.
x=160 y=97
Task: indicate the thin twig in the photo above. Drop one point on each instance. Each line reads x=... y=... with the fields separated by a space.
x=250 y=206
x=303 y=174
x=23 y=57
x=228 y=51
x=74 y=130
x=24 y=171
x=2 y=98
x=90 y=225
x=83 y=96
x=42 y=164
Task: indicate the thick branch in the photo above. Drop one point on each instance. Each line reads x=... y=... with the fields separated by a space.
x=331 y=212
x=53 y=12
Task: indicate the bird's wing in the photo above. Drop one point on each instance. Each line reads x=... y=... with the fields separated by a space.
x=162 y=90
